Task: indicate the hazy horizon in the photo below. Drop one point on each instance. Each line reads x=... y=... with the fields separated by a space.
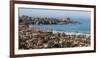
x=54 y=13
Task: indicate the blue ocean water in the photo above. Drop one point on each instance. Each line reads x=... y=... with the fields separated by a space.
x=83 y=27
x=83 y=16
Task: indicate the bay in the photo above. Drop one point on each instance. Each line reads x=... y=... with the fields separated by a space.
x=84 y=26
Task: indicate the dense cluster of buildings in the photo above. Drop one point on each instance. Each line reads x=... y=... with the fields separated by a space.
x=45 y=20
x=39 y=39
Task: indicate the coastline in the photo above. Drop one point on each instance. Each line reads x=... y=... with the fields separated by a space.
x=67 y=33
x=54 y=31
x=73 y=33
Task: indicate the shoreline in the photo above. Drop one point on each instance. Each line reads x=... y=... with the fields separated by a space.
x=67 y=33
x=72 y=33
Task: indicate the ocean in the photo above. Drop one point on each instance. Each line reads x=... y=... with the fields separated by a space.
x=83 y=27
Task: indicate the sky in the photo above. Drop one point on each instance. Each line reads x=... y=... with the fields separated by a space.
x=54 y=13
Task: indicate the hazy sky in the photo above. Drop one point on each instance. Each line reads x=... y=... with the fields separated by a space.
x=54 y=13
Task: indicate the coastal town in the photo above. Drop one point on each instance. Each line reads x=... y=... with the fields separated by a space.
x=45 y=20
x=31 y=38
